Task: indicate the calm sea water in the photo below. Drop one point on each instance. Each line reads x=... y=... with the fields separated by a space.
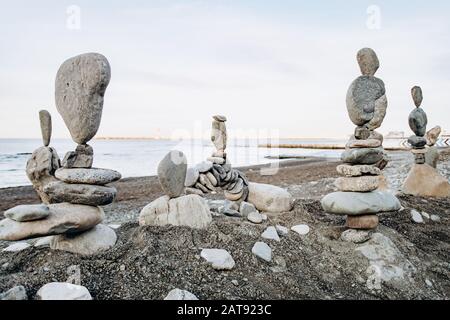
x=134 y=158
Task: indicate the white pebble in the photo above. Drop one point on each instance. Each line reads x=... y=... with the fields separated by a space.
x=301 y=229
x=263 y=251
x=282 y=231
x=16 y=247
x=416 y=216
x=271 y=234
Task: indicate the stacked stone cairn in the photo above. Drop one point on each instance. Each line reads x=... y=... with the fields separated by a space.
x=174 y=208
x=243 y=197
x=72 y=193
x=423 y=179
x=359 y=197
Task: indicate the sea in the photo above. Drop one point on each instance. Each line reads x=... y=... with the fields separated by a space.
x=136 y=158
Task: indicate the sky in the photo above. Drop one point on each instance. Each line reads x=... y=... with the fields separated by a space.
x=269 y=66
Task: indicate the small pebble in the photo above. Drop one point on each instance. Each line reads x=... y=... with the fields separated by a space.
x=416 y=217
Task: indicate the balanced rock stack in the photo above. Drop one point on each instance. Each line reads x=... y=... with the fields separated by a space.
x=71 y=194
x=364 y=158
x=174 y=208
x=423 y=179
x=217 y=172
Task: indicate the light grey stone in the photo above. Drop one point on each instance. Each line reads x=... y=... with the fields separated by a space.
x=435 y=218
x=43 y=242
x=269 y=198
x=204 y=166
x=356 y=203
x=45 y=120
x=178 y=294
x=16 y=293
x=219 y=259
x=16 y=247
x=63 y=218
x=381 y=105
x=358 y=170
x=282 y=231
x=63 y=291
x=31 y=212
x=356 y=236
x=172 y=173
x=432 y=157
x=82 y=157
x=219 y=136
x=362 y=156
x=90 y=195
x=245 y=208
x=80 y=87
x=270 y=234
x=212 y=179
x=301 y=229
x=416 y=217
x=357 y=184
x=205 y=181
x=192 y=175
x=191 y=211
x=433 y=135
x=193 y=191
x=96 y=240
x=87 y=176
x=216 y=160
x=262 y=251
x=255 y=217
x=368 y=61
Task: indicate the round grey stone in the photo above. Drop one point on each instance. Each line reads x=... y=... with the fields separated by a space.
x=418 y=122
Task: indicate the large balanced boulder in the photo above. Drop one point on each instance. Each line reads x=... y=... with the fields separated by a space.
x=269 y=198
x=360 y=203
x=425 y=181
x=98 y=239
x=63 y=218
x=190 y=211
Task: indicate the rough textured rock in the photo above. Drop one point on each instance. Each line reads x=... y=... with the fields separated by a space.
x=41 y=168
x=365 y=222
x=433 y=135
x=82 y=157
x=355 y=203
x=362 y=156
x=219 y=259
x=418 y=122
x=368 y=61
x=98 y=239
x=29 y=212
x=80 y=87
x=63 y=291
x=16 y=293
x=262 y=251
x=178 y=294
x=362 y=133
x=87 y=176
x=425 y=181
x=369 y=143
x=357 y=184
x=356 y=236
x=191 y=211
x=269 y=198
x=358 y=170
x=192 y=176
x=432 y=157
x=45 y=120
x=90 y=195
x=219 y=135
x=417 y=95
x=172 y=173
x=64 y=217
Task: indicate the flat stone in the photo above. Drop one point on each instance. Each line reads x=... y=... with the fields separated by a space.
x=80 y=87
x=31 y=212
x=358 y=184
x=193 y=191
x=417 y=95
x=63 y=291
x=282 y=231
x=425 y=181
x=45 y=120
x=418 y=122
x=425 y=215
x=43 y=242
x=433 y=135
x=262 y=251
x=219 y=205
x=356 y=203
x=172 y=173
x=87 y=176
x=192 y=175
x=205 y=181
x=201 y=187
x=362 y=156
x=270 y=234
x=212 y=179
x=301 y=229
x=416 y=217
x=16 y=247
x=63 y=218
x=41 y=168
x=98 y=239
x=178 y=294
x=238 y=186
x=219 y=259
x=90 y=195
x=269 y=198
x=368 y=61
x=16 y=293
x=417 y=142
x=356 y=236
x=82 y=157
x=204 y=166
x=369 y=143
x=220 y=118
x=235 y=196
x=191 y=211
x=255 y=217
x=358 y=170
x=246 y=208
x=365 y=222
x=216 y=160
x=435 y=218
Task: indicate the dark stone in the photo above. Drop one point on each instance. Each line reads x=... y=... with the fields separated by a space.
x=362 y=156
x=418 y=122
x=362 y=133
x=419 y=158
x=417 y=142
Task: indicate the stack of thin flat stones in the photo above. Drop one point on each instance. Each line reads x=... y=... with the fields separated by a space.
x=418 y=123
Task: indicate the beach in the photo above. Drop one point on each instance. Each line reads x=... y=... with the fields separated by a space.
x=149 y=261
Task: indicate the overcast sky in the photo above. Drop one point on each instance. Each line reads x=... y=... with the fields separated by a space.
x=266 y=65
